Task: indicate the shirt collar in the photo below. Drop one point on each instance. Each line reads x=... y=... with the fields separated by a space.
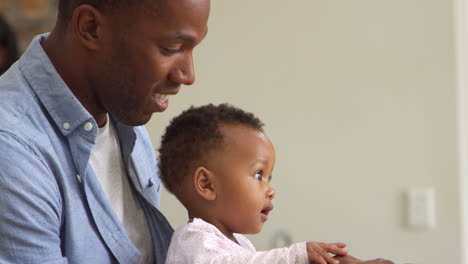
x=59 y=101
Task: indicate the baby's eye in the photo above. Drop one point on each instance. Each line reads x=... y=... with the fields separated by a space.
x=258 y=175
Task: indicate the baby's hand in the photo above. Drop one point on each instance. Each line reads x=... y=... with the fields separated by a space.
x=318 y=252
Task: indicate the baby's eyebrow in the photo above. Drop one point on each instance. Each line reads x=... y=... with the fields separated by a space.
x=260 y=160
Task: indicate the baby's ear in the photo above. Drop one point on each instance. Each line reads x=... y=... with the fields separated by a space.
x=204 y=184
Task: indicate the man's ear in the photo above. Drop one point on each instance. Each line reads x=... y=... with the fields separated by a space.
x=88 y=26
x=204 y=185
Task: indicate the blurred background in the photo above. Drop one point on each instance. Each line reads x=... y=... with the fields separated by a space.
x=364 y=101
x=29 y=17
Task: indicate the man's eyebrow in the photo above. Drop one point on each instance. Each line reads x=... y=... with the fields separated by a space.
x=186 y=37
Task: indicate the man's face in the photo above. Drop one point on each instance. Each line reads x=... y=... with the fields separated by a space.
x=147 y=57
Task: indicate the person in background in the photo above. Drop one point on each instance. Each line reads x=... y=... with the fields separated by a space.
x=8 y=46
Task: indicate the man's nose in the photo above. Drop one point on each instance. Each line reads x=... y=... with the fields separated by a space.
x=184 y=72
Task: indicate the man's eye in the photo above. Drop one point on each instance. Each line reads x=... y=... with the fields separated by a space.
x=170 y=51
x=258 y=175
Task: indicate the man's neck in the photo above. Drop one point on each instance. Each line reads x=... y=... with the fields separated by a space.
x=66 y=56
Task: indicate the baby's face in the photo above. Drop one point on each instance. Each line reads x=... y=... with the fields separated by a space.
x=243 y=169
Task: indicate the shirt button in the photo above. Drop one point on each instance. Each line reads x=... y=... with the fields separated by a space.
x=88 y=126
x=66 y=125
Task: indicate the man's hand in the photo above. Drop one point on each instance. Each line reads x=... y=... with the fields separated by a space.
x=352 y=260
x=377 y=261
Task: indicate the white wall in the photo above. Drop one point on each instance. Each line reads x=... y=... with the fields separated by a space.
x=359 y=98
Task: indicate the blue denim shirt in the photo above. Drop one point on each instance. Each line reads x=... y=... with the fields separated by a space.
x=52 y=207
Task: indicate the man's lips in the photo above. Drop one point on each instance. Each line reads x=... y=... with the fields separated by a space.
x=168 y=91
x=167 y=88
x=161 y=98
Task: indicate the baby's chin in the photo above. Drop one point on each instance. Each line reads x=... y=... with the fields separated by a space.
x=253 y=231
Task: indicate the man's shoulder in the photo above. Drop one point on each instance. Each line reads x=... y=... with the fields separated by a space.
x=17 y=101
x=24 y=120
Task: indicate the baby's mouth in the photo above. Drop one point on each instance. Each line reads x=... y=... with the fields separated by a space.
x=267 y=210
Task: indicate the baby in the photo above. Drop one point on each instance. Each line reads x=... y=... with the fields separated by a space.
x=218 y=162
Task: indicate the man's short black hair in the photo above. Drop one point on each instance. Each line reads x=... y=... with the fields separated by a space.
x=66 y=7
x=194 y=134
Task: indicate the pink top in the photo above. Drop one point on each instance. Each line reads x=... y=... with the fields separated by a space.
x=200 y=242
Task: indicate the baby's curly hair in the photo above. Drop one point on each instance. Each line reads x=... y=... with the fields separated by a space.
x=194 y=134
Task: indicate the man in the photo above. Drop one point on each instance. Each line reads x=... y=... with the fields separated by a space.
x=78 y=176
